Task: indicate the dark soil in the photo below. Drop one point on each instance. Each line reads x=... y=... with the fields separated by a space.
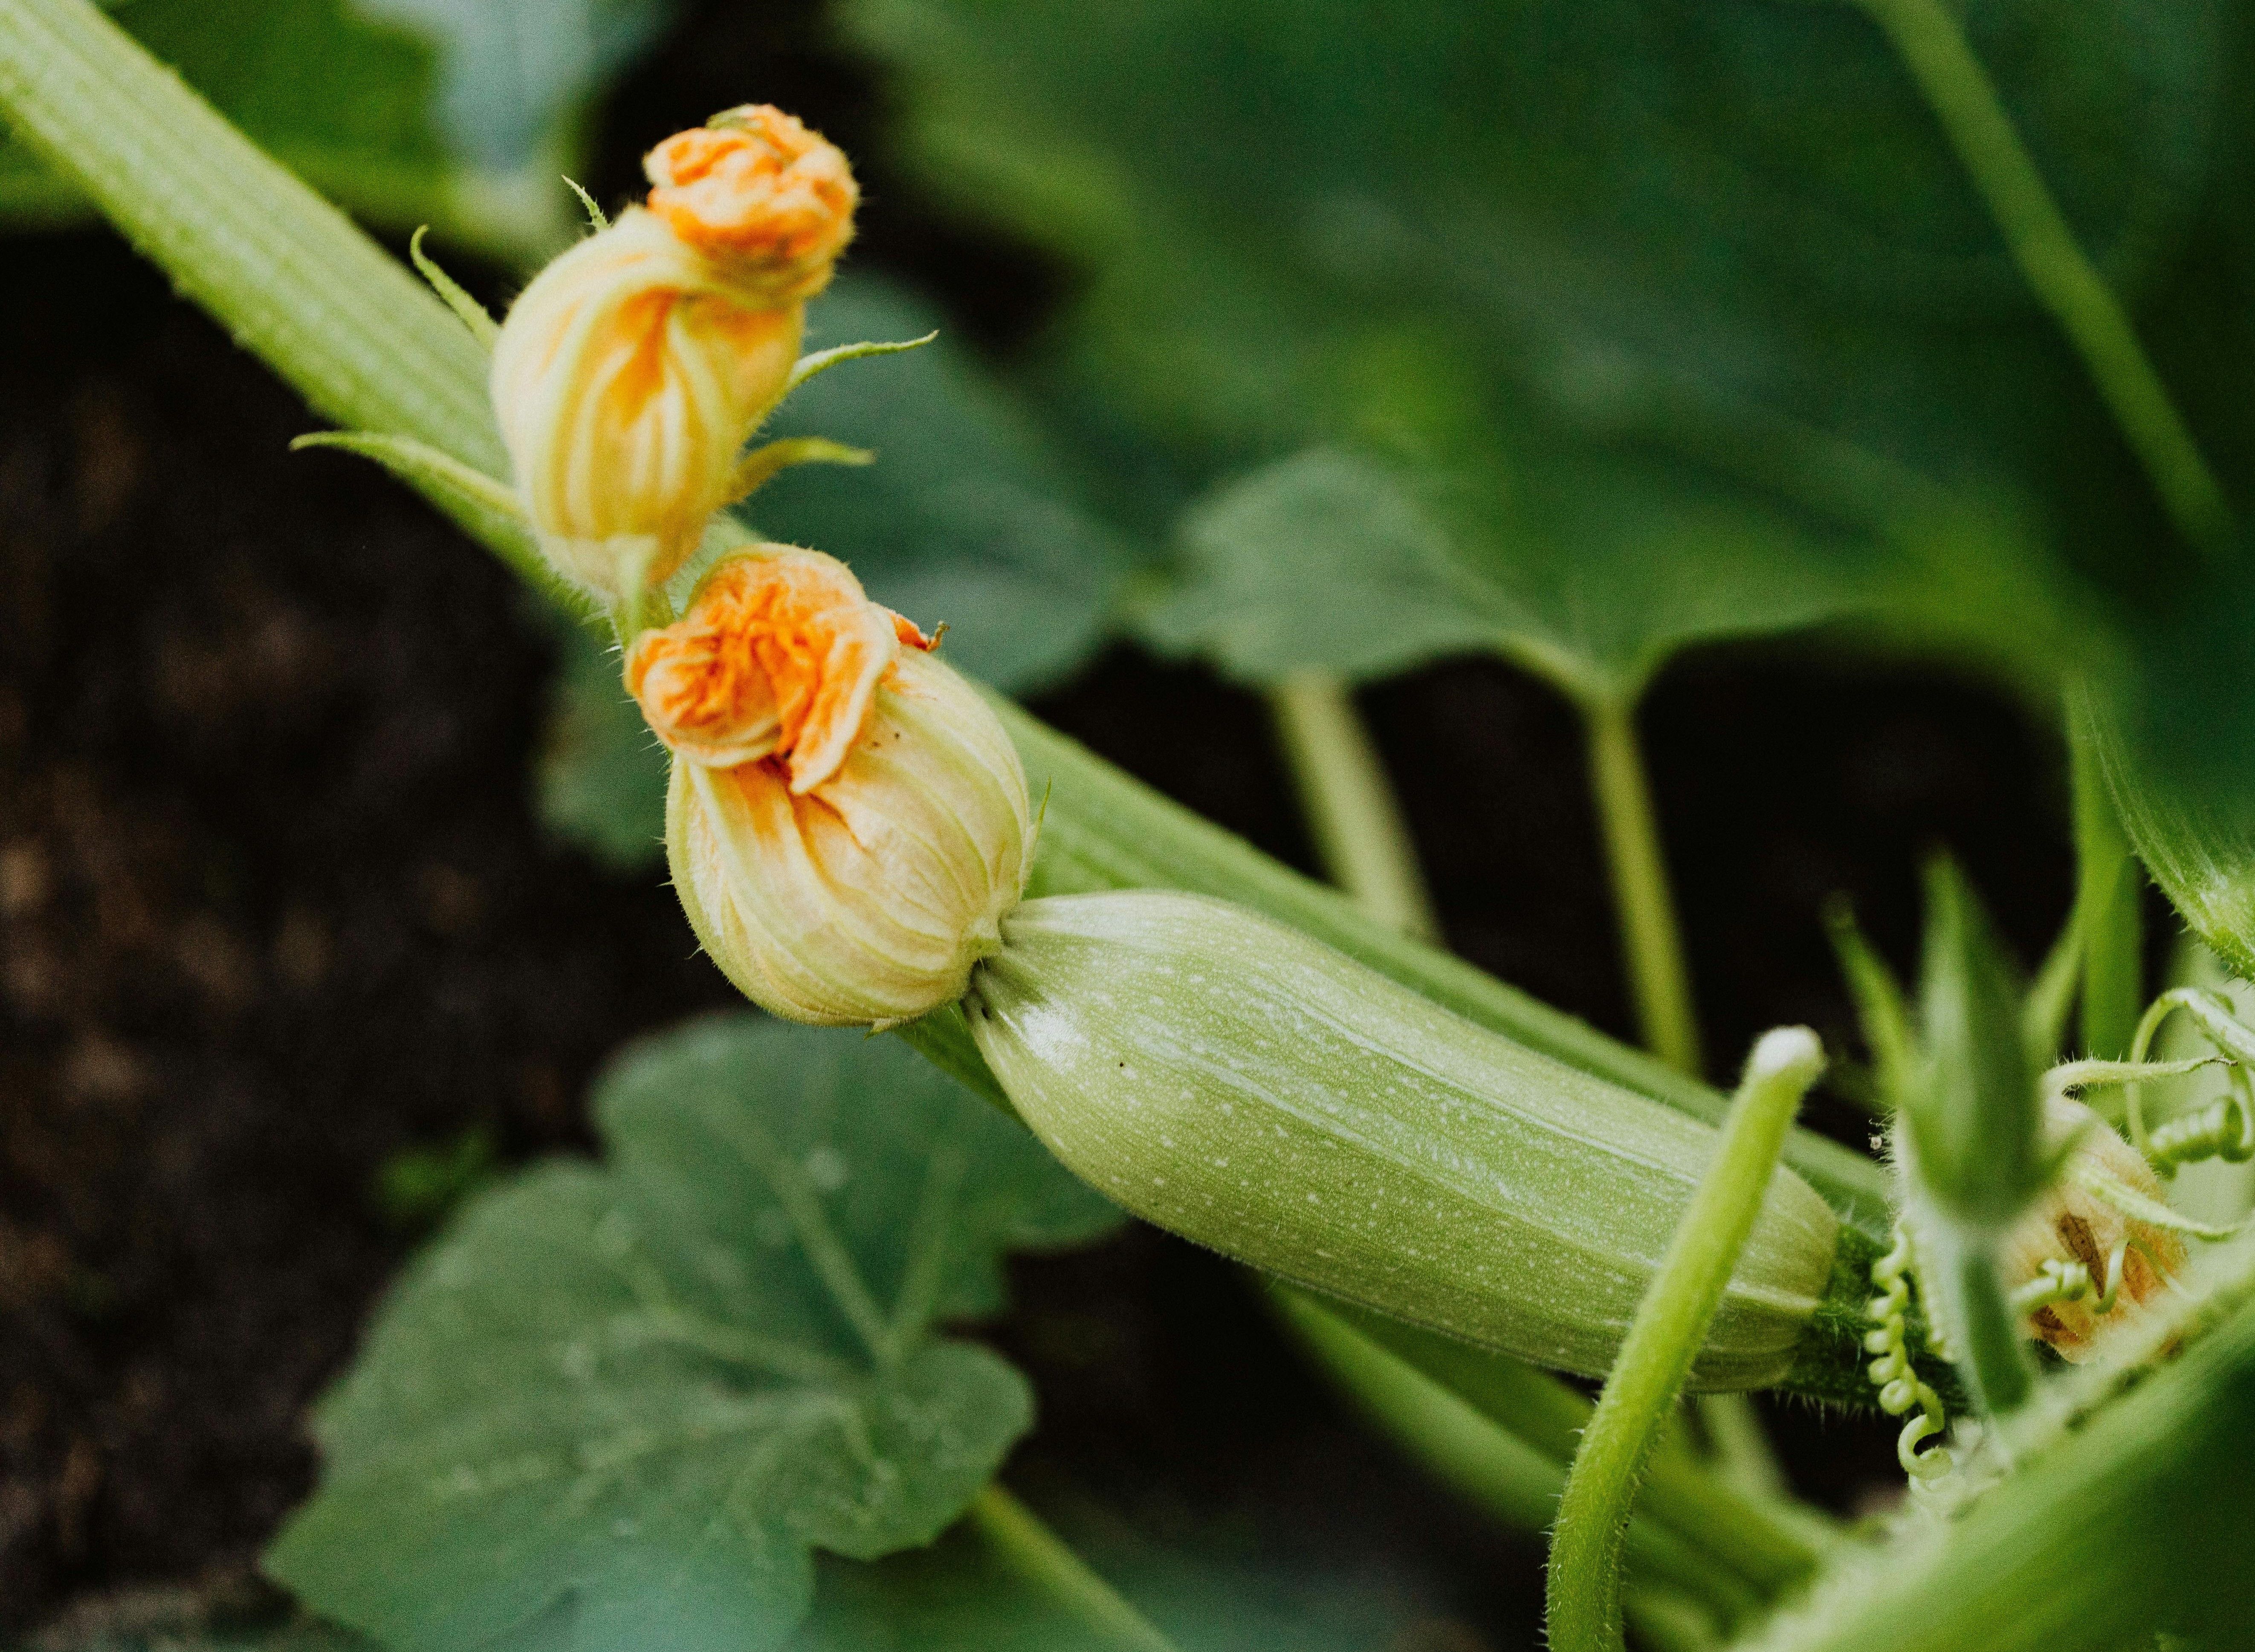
x=273 y=909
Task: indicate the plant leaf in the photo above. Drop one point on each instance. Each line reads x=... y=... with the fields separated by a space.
x=619 y=1406
x=1970 y=1110
x=1588 y=571
x=1713 y=267
x=512 y=71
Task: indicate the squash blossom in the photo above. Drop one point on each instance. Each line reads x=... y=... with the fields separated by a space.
x=630 y=374
x=755 y=190
x=2075 y=1225
x=848 y=822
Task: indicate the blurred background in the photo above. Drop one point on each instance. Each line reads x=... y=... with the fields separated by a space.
x=1506 y=363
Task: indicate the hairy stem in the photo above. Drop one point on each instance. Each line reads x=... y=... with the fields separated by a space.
x=1660 y=983
x=1989 y=1344
x=1350 y=806
x=1932 y=44
x=2107 y=891
x=1584 y=1595
x=1039 y=1555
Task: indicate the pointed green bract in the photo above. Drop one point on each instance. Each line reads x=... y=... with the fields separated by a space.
x=1970 y=1111
x=624 y=1403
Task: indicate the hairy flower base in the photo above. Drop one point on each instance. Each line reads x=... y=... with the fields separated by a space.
x=626 y=380
x=867 y=899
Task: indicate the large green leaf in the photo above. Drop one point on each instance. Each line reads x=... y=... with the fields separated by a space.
x=969 y=518
x=512 y=70
x=1692 y=286
x=617 y=1407
x=1590 y=571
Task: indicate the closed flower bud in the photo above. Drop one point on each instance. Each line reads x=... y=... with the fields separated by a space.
x=2076 y=1233
x=848 y=822
x=757 y=191
x=626 y=380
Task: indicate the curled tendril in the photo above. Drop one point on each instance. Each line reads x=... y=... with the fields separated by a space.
x=1900 y=1387
x=2224 y=1129
x=2070 y=1282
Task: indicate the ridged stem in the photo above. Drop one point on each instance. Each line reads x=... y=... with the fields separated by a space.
x=1931 y=42
x=1651 y=942
x=1584 y=1595
x=1350 y=806
x=1990 y=1341
x=1042 y=1559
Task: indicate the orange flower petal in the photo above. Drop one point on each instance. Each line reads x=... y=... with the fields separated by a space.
x=781 y=654
x=756 y=184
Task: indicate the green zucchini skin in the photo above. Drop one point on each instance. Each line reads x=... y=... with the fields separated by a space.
x=1247 y=1087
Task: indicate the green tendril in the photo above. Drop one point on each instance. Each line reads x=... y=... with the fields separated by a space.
x=1900 y=1387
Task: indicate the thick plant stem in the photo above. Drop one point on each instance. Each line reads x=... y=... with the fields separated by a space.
x=1042 y=1559
x=2107 y=888
x=1773 y=1542
x=1652 y=945
x=1514 y=1473
x=1990 y=1343
x=1933 y=47
x=1350 y=806
x=1584 y=1595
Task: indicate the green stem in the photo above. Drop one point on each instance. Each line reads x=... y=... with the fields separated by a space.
x=1740 y=1447
x=1773 y=1543
x=1659 y=981
x=1351 y=812
x=1990 y=1341
x=1042 y=1559
x=1584 y=1595
x=1515 y=1474
x=2107 y=905
x=1933 y=47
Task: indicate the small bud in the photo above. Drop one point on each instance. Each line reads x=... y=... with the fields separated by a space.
x=848 y=822
x=2074 y=1234
x=755 y=189
x=626 y=380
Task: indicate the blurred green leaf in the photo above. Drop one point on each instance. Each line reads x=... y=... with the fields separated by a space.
x=2200 y=849
x=511 y=70
x=1588 y=571
x=599 y=781
x=1210 y=1589
x=969 y=518
x=618 y=1406
x=1676 y=283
